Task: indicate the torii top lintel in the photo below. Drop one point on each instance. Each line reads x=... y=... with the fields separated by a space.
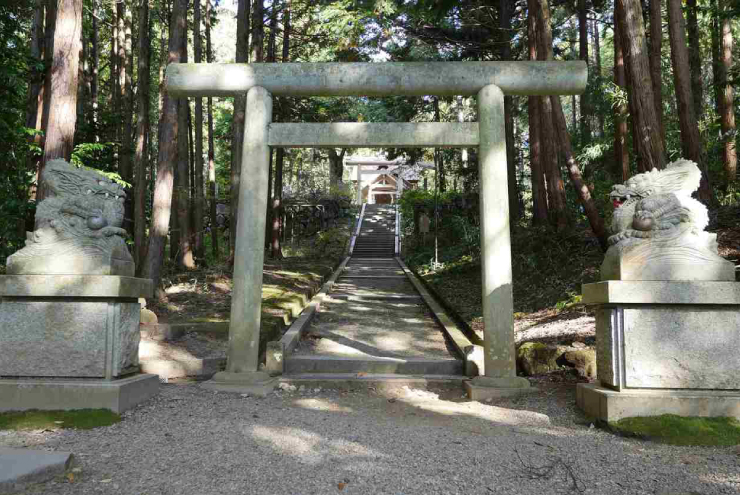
x=525 y=78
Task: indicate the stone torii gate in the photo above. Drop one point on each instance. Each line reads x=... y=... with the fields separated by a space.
x=489 y=81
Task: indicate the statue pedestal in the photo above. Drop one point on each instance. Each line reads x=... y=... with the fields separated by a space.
x=78 y=333
x=664 y=348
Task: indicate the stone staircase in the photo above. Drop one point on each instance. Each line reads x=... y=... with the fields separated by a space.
x=377 y=237
x=373 y=323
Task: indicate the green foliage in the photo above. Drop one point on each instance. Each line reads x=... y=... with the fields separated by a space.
x=82 y=419
x=678 y=430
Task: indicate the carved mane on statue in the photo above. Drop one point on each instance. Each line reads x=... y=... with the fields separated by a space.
x=78 y=226
x=659 y=229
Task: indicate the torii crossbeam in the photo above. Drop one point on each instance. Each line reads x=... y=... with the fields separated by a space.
x=489 y=81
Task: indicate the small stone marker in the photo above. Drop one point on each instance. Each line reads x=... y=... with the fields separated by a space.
x=424 y=224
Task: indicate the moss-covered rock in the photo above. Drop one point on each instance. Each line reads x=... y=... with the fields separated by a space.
x=535 y=358
x=584 y=361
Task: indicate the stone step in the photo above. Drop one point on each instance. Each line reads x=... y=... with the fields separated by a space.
x=297 y=364
x=376 y=297
x=380 y=383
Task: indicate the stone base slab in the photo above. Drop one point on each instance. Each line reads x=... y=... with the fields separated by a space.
x=610 y=405
x=257 y=383
x=19 y=467
x=116 y=395
x=483 y=387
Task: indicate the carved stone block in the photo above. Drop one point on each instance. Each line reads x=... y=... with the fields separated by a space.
x=655 y=342
x=74 y=335
x=78 y=226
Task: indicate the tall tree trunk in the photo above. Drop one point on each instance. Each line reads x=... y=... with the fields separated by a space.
x=691 y=145
x=438 y=155
x=82 y=86
x=336 y=166
x=271 y=58
x=258 y=31
x=198 y=162
x=50 y=20
x=656 y=74
x=115 y=90
x=555 y=186
x=692 y=26
x=597 y=60
x=277 y=205
x=122 y=66
x=166 y=159
x=237 y=123
x=586 y=112
x=94 y=68
x=727 y=109
x=211 y=149
x=716 y=79
x=589 y=207
x=650 y=149
x=539 y=191
x=60 y=130
x=142 y=133
x=125 y=163
x=505 y=25
x=621 y=150
x=185 y=257
x=631 y=97
x=35 y=105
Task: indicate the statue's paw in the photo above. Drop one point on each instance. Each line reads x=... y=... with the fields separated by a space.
x=111 y=231
x=643 y=215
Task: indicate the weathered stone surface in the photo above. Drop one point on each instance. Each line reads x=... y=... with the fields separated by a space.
x=610 y=405
x=654 y=292
x=371 y=79
x=659 y=230
x=536 y=358
x=21 y=466
x=68 y=338
x=680 y=347
x=94 y=286
x=669 y=347
x=56 y=394
x=583 y=360
x=78 y=227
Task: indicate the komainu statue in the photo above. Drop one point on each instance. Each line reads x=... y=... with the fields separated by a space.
x=658 y=229
x=78 y=227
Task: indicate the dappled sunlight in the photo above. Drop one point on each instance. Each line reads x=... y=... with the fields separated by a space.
x=492 y=414
x=322 y=405
x=309 y=447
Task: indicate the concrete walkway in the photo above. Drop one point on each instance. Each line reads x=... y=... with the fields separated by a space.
x=374 y=321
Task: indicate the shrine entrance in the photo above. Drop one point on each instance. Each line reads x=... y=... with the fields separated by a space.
x=489 y=81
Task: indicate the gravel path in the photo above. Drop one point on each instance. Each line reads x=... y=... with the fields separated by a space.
x=192 y=441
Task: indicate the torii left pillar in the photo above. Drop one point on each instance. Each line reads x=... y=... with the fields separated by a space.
x=242 y=369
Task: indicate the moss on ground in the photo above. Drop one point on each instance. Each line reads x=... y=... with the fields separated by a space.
x=83 y=419
x=677 y=430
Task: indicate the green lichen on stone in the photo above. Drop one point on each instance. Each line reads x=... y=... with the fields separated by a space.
x=82 y=419
x=677 y=430
x=584 y=361
x=536 y=358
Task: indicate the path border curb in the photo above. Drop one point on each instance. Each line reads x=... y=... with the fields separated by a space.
x=278 y=350
x=471 y=354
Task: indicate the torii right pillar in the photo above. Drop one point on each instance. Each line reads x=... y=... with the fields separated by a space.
x=499 y=378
